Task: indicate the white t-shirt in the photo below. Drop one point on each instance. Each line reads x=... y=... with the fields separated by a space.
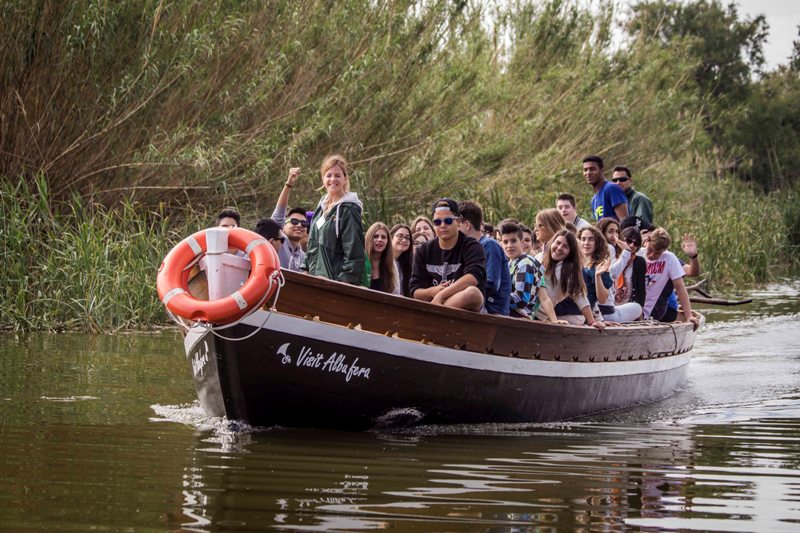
x=665 y=268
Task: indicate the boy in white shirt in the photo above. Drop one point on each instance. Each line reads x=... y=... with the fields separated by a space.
x=663 y=267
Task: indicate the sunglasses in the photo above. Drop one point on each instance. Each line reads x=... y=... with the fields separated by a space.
x=294 y=222
x=619 y=180
x=447 y=221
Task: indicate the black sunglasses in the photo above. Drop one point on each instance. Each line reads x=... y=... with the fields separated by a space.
x=618 y=180
x=447 y=221
x=294 y=222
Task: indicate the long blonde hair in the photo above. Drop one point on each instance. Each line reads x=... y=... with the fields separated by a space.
x=551 y=219
x=386 y=266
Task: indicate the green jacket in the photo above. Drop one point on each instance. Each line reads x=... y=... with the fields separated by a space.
x=639 y=205
x=336 y=242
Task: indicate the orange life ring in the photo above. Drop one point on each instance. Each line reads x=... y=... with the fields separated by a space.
x=173 y=278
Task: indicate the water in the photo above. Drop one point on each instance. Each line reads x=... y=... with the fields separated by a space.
x=101 y=433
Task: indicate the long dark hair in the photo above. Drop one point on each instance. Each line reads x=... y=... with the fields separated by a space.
x=385 y=265
x=406 y=259
x=571 y=268
x=603 y=224
x=600 y=245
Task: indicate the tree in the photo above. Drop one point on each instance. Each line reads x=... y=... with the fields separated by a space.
x=794 y=60
x=728 y=51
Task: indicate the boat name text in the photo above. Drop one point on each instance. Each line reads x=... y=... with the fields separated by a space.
x=336 y=362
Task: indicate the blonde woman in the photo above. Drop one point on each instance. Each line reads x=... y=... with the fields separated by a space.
x=423 y=224
x=336 y=238
x=548 y=222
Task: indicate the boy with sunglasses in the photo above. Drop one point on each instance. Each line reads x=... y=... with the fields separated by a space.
x=639 y=204
x=295 y=226
x=449 y=270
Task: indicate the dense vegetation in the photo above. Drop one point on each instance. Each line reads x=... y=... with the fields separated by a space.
x=125 y=125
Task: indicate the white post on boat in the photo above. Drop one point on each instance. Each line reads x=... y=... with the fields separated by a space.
x=217 y=244
x=226 y=273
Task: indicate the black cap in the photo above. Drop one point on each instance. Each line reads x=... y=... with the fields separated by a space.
x=636 y=222
x=450 y=204
x=269 y=229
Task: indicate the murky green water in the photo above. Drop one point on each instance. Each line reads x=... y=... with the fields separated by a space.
x=99 y=433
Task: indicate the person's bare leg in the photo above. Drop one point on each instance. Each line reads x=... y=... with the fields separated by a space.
x=470 y=299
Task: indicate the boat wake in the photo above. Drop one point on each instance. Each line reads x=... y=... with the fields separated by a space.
x=784 y=408
x=229 y=434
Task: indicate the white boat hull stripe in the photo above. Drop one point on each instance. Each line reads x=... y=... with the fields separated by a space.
x=447 y=356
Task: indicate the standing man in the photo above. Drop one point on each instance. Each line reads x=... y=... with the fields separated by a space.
x=450 y=269
x=497 y=291
x=638 y=204
x=609 y=200
x=295 y=226
x=566 y=205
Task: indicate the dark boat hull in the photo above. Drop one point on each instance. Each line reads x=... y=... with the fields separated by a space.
x=298 y=372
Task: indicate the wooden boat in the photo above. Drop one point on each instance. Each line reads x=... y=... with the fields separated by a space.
x=334 y=355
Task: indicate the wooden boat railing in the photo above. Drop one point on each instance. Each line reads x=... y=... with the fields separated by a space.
x=341 y=304
x=351 y=306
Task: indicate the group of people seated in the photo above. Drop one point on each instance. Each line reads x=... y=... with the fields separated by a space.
x=564 y=270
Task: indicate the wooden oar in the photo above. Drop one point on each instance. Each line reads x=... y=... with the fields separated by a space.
x=718 y=301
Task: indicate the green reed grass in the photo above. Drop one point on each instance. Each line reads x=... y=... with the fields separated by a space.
x=88 y=268
x=170 y=104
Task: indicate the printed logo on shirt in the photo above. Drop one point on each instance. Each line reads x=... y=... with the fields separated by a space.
x=653 y=270
x=598 y=212
x=443 y=271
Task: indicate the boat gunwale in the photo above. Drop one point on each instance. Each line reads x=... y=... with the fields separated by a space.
x=628 y=329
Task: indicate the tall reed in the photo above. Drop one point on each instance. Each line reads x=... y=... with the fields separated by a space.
x=87 y=268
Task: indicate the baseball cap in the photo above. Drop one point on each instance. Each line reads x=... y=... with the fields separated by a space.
x=445 y=203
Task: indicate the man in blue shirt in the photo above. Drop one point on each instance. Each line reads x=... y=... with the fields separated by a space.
x=497 y=291
x=609 y=199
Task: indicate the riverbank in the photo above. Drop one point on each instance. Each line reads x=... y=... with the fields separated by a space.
x=69 y=266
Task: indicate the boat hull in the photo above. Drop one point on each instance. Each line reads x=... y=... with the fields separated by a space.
x=293 y=371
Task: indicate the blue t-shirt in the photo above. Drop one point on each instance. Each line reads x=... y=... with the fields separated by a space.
x=497 y=291
x=605 y=199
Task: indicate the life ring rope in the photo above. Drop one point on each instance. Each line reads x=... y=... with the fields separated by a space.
x=276 y=277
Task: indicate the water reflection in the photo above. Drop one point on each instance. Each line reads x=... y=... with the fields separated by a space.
x=573 y=477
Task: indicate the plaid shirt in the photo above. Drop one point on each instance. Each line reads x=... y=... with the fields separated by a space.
x=527 y=275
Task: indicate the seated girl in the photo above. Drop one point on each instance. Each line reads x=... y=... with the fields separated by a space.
x=597 y=275
x=380 y=272
x=610 y=230
x=595 y=265
x=564 y=276
x=403 y=255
